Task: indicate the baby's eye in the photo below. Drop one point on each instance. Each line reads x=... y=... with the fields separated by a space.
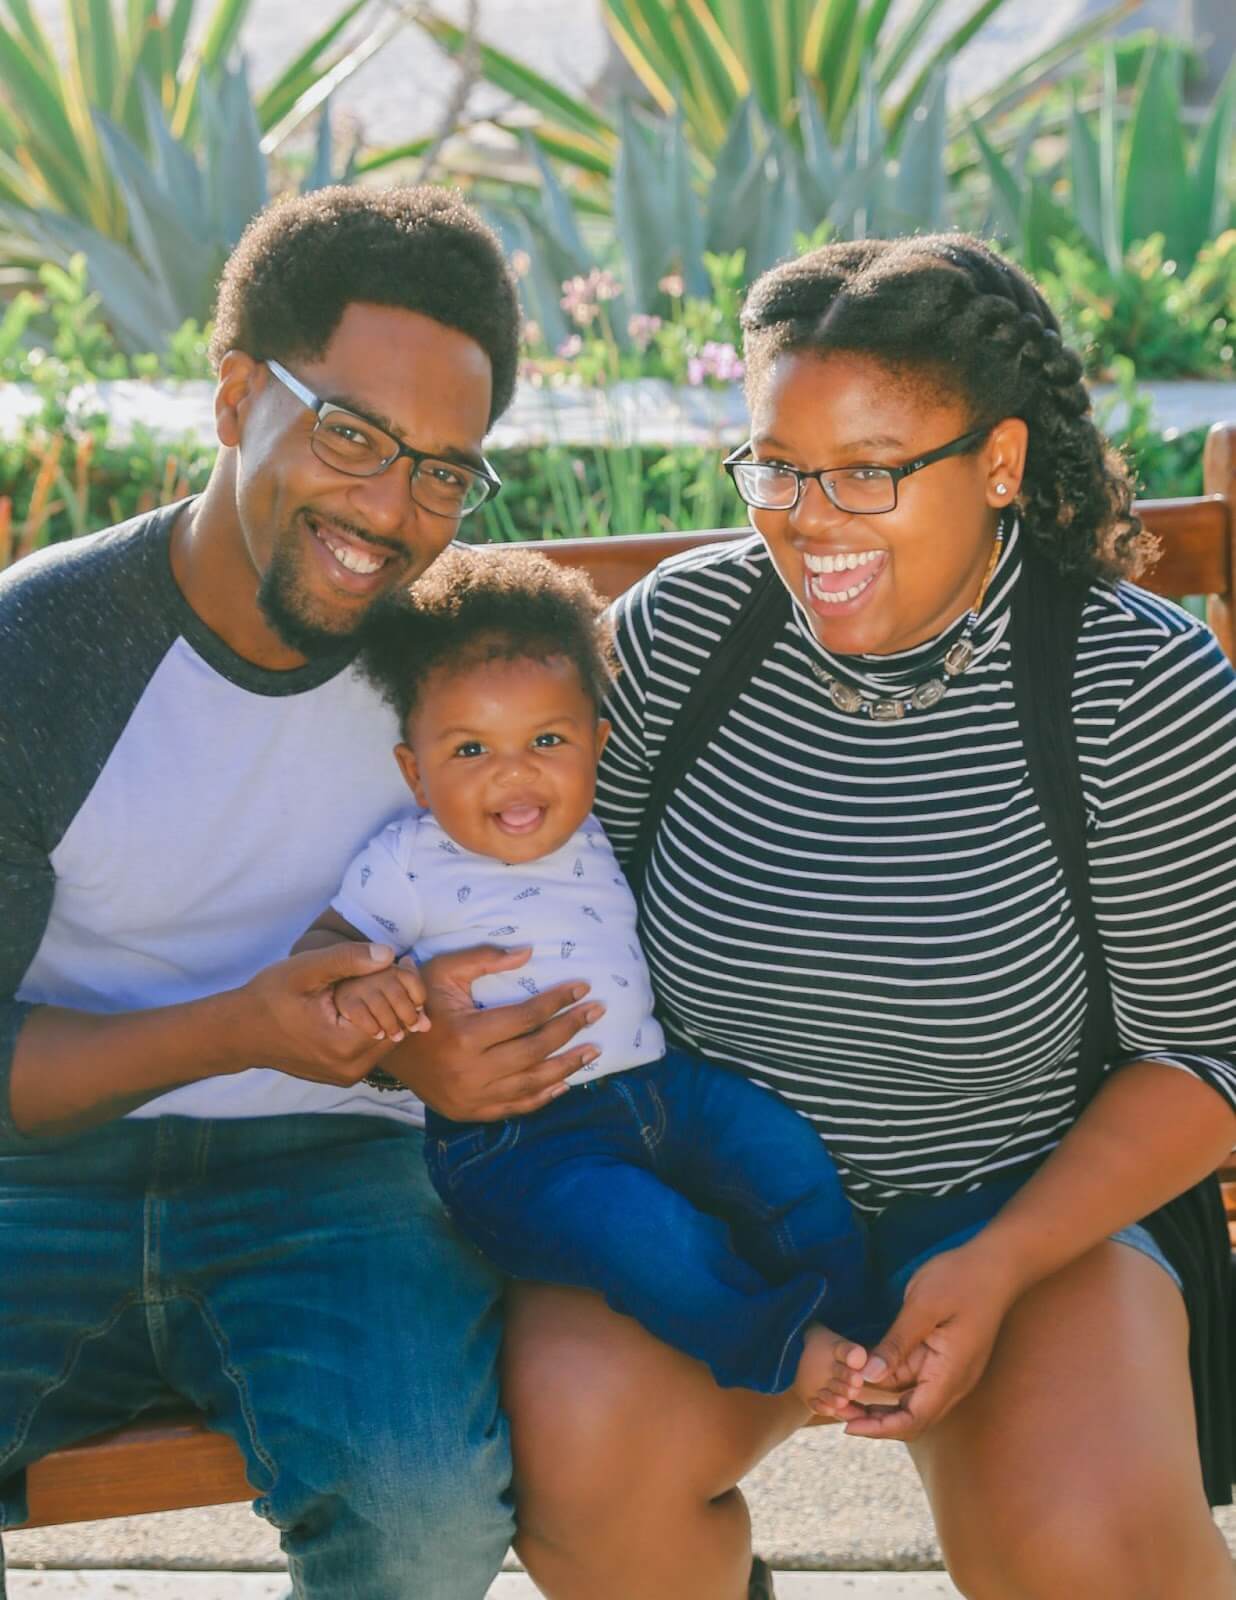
x=546 y=741
x=470 y=747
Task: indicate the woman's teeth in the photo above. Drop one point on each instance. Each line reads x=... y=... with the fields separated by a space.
x=846 y=562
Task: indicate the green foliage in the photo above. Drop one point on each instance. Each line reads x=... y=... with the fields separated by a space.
x=794 y=60
x=551 y=492
x=146 y=154
x=1124 y=179
x=1171 y=321
x=56 y=336
x=1165 y=462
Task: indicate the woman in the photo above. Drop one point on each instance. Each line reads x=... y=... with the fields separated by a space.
x=853 y=898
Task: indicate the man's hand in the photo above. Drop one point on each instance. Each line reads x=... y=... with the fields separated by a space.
x=287 y=1018
x=939 y=1346
x=387 y=1004
x=478 y=1066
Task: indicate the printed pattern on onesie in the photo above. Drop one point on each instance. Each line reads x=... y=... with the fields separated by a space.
x=414 y=888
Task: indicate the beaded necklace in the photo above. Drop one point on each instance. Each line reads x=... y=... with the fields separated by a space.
x=928 y=691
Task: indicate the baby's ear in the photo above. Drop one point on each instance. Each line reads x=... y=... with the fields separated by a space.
x=604 y=730
x=406 y=758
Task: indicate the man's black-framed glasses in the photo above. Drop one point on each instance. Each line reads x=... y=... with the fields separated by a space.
x=351 y=443
x=864 y=490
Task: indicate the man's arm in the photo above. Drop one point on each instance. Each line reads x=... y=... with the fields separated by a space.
x=73 y=1069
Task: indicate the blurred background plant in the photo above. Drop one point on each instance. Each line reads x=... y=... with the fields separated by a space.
x=748 y=131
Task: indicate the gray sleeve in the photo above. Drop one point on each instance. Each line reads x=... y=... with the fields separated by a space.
x=26 y=884
x=82 y=627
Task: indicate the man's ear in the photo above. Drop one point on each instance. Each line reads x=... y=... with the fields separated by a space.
x=240 y=379
x=406 y=758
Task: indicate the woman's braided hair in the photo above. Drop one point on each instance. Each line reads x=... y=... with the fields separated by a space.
x=946 y=308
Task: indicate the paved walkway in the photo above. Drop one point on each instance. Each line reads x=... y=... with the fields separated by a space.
x=100 y=1585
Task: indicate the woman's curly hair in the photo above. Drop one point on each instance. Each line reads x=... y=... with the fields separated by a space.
x=478 y=604
x=948 y=308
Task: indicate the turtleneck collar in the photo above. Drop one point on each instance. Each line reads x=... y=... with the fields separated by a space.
x=893 y=673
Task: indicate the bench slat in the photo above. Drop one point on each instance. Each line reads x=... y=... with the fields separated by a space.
x=165 y=1466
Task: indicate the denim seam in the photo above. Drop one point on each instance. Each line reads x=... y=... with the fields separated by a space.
x=24 y=1420
x=808 y=1316
x=505 y=1141
x=653 y=1137
x=237 y=1378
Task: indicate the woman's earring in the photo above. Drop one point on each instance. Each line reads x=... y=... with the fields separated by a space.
x=1001 y=489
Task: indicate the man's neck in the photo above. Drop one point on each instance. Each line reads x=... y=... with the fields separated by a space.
x=212 y=569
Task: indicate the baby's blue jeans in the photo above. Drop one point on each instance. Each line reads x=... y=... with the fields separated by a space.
x=699 y=1204
x=296 y=1279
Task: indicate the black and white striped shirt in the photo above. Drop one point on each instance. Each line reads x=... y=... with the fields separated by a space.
x=868 y=917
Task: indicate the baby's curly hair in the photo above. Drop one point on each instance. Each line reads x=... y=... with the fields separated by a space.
x=948 y=309
x=303 y=261
x=479 y=603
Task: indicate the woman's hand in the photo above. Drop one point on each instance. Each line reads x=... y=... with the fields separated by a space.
x=939 y=1346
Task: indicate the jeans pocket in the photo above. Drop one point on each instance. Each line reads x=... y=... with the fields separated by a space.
x=463 y=1157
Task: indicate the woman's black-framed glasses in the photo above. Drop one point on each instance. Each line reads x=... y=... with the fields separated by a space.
x=864 y=490
x=351 y=443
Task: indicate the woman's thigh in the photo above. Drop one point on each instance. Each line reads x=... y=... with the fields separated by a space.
x=603 y=1416
x=1073 y=1466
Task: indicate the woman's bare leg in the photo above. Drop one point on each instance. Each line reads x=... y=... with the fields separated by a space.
x=626 y=1456
x=1072 y=1469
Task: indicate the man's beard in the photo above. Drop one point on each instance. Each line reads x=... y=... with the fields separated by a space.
x=284 y=603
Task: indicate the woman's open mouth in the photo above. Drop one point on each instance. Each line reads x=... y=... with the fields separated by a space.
x=838 y=584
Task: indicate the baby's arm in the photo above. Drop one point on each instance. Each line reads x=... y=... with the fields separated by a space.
x=385 y=1005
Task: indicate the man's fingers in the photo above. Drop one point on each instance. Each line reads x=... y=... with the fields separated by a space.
x=314 y=969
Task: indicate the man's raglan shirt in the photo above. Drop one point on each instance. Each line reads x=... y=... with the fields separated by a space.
x=172 y=817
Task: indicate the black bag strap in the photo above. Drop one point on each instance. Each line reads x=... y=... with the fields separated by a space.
x=721 y=680
x=1044 y=630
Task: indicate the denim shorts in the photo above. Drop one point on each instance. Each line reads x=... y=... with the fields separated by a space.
x=911 y=1232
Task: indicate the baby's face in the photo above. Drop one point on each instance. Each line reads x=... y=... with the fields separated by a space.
x=504 y=754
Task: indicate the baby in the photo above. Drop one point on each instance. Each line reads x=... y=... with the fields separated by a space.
x=693 y=1200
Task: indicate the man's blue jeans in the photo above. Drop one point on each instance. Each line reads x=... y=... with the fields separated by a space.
x=296 y=1279
x=694 y=1201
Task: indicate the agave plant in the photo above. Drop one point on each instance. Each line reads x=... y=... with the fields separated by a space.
x=764 y=191
x=1129 y=178
x=186 y=204
x=55 y=153
x=701 y=60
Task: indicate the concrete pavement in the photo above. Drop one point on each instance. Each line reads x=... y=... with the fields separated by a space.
x=100 y=1585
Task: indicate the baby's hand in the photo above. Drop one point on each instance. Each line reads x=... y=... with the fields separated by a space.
x=387 y=1004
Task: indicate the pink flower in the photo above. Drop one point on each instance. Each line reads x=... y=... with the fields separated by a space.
x=642 y=328
x=672 y=285
x=570 y=347
x=521 y=263
x=719 y=361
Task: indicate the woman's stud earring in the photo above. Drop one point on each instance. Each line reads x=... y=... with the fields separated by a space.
x=1001 y=489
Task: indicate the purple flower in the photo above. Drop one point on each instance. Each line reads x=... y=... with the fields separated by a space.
x=570 y=347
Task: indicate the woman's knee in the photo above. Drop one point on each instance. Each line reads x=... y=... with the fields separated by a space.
x=607 y=1422
x=1096 y=1547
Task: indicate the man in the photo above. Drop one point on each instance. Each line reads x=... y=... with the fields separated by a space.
x=200 y=1196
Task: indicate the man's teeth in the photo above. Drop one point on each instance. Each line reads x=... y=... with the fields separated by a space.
x=349 y=556
x=841 y=563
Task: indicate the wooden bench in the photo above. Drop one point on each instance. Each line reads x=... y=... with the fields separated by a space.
x=180 y=1462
